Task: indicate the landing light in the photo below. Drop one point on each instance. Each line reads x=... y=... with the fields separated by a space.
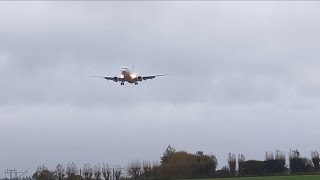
x=121 y=76
x=133 y=75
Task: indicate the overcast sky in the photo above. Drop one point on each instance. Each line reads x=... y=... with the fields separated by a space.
x=246 y=79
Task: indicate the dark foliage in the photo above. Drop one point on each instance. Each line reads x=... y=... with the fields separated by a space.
x=300 y=165
x=316 y=162
x=275 y=167
x=185 y=165
x=43 y=173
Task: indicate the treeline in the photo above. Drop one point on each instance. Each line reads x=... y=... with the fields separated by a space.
x=71 y=172
x=274 y=164
x=173 y=164
x=185 y=165
x=181 y=165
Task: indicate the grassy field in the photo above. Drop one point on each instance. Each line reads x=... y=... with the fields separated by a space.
x=306 y=177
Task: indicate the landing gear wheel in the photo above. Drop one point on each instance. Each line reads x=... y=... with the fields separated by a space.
x=135 y=83
x=122 y=84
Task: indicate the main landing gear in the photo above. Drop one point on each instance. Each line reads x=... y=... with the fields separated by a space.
x=122 y=83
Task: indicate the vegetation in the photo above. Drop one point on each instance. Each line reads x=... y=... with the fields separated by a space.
x=43 y=173
x=273 y=165
x=301 y=177
x=186 y=165
x=183 y=165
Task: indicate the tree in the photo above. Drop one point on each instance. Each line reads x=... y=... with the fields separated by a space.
x=275 y=164
x=253 y=168
x=298 y=164
x=308 y=165
x=155 y=171
x=185 y=165
x=146 y=166
x=169 y=151
x=71 y=171
x=275 y=167
x=43 y=173
x=315 y=160
x=97 y=172
x=60 y=172
x=118 y=172
x=224 y=172
x=232 y=164
x=241 y=162
x=206 y=165
x=134 y=169
x=225 y=168
x=106 y=172
x=87 y=171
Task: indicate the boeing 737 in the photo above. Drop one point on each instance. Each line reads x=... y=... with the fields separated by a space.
x=129 y=76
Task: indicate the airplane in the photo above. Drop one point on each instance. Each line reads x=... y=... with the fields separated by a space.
x=129 y=76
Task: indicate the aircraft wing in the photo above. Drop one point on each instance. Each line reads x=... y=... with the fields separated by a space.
x=154 y=76
x=107 y=78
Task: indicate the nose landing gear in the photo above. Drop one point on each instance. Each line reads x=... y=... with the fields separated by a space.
x=136 y=83
x=122 y=84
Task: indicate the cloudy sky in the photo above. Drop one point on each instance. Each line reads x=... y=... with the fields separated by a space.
x=246 y=79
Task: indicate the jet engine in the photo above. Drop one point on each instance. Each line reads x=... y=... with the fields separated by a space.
x=115 y=79
x=139 y=78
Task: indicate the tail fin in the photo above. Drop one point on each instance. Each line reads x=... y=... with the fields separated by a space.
x=133 y=67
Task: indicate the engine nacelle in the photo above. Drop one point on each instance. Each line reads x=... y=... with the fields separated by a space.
x=115 y=79
x=139 y=78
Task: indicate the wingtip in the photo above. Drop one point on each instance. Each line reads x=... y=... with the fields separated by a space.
x=97 y=76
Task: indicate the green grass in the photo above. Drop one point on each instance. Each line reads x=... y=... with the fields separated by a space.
x=302 y=177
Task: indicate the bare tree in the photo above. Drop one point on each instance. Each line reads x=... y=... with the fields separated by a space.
x=71 y=170
x=118 y=172
x=60 y=172
x=146 y=165
x=232 y=161
x=241 y=162
x=106 y=171
x=269 y=156
x=280 y=155
x=294 y=154
x=315 y=159
x=87 y=171
x=97 y=172
x=134 y=169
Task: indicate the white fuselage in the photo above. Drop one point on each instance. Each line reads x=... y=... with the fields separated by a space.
x=125 y=72
x=127 y=75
